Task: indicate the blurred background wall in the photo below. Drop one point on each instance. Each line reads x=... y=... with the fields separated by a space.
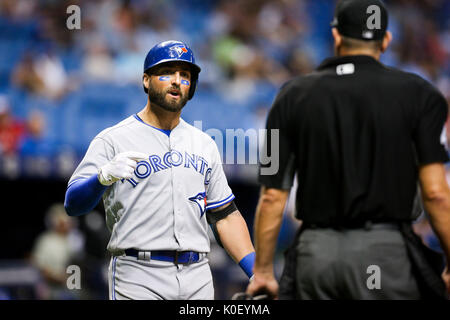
x=60 y=87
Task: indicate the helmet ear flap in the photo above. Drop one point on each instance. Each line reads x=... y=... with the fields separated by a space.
x=192 y=89
x=194 y=79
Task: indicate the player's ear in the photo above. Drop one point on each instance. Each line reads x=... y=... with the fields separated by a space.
x=146 y=80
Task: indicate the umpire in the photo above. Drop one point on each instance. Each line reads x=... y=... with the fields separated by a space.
x=360 y=136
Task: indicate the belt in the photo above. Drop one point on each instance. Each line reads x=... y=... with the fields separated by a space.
x=177 y=257
x=368 y=225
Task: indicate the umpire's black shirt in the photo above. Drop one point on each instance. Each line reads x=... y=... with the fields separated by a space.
x=355 y=131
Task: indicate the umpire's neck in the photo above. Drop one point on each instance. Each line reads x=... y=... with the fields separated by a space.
x=344 y=46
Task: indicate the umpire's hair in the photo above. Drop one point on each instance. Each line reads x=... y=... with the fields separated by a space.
x=352 y=43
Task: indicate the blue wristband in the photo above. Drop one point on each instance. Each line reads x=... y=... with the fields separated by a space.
x=247 y=263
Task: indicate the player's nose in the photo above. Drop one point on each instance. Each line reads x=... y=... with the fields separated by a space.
x=176 y=79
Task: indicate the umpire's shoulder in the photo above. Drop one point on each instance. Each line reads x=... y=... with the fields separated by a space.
x=295 y=89
x=413 y=80
x=301 y=82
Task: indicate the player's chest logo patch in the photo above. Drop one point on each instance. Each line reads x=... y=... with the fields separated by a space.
x=200 y=200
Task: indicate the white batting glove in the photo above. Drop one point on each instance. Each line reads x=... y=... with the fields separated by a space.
x=122 y=166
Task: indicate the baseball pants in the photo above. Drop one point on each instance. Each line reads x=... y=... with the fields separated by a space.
x=354 y=264
x=133 y=279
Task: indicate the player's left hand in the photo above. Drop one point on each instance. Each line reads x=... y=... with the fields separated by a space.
x=263 y=283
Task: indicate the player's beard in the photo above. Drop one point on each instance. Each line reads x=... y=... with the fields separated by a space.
x=159 y=98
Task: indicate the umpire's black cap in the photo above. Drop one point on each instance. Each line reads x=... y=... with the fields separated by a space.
x=361 y=19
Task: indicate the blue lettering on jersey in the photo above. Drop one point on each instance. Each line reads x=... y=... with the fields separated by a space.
x=167 y=159
x=171 y=159
x=156 y=163
x=133 y=182
x=203 y=164
x=190 y=160
x=208 y=176
x=200 y=200
x=176 y=158
x=143 y=170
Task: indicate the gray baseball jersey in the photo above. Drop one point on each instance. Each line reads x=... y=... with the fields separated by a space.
x=163 y=207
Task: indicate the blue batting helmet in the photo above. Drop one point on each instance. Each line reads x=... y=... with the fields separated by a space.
x=169 y=51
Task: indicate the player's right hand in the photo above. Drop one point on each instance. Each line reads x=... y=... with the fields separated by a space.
x=122 y=166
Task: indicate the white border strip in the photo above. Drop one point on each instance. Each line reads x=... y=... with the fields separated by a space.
x=219 y=203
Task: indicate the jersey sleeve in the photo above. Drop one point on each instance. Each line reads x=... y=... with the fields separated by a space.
x=218 y=192
x=98 y=154
x=429 y=136
x=278 y=170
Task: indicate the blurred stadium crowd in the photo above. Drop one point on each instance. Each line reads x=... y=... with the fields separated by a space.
x=60 y=87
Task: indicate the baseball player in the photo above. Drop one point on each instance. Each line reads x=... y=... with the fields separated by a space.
x=162 y=184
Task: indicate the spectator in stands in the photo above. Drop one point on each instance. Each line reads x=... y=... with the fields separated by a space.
x=11 y=129
x=54 y=250
x=24 y=75
x=42 y=75
x=34 y=142
x=97 y=62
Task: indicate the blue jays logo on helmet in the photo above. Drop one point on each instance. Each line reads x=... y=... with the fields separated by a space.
x=170 y=51
x=178 y=51
x=200 y=200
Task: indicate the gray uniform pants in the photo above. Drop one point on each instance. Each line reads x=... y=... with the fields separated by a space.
x=335 y=264
x=133 y=279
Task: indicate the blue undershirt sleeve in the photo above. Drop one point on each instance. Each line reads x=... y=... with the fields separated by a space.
x=83 y=195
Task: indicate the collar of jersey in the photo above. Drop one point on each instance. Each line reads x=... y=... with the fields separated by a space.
x=358 y=59
x=166 y=132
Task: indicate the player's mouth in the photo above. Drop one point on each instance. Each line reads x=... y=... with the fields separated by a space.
x=174 y=93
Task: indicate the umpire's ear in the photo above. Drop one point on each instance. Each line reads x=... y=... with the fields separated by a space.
x=337 y=37
x=386 y=41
